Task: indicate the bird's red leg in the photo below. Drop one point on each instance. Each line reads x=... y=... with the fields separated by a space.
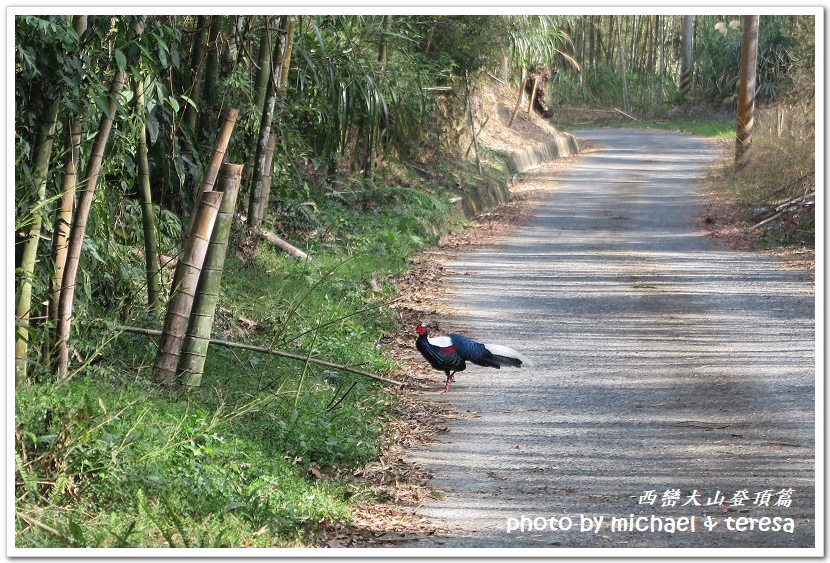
x=449 y=378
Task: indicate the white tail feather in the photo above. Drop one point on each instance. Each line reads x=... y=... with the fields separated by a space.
x=509 y=353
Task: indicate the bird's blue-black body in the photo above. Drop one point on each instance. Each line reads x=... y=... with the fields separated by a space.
x=450 y=353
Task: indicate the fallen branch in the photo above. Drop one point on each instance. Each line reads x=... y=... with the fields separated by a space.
x=278 y=242
x=229 y=344
x=497 y=79
x=419 y=170
x=625 y=114
x=32 y=522
x=779 y=214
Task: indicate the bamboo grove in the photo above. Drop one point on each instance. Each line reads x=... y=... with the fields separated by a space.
x=135 y=134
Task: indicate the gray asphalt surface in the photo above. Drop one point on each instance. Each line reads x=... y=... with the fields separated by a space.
x=662 y=363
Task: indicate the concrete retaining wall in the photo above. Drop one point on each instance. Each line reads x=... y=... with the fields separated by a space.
x=561 y=145
x=487 y=198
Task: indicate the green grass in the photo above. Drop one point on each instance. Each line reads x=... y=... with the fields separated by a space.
x=108 y=459
x=714 y=128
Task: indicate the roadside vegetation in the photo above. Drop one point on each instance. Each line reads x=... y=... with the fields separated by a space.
x=371 y=121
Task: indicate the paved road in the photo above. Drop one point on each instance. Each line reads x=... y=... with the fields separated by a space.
x=662 y=364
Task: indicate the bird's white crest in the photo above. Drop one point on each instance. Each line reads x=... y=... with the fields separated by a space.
x=509 y=353
x=440 y=341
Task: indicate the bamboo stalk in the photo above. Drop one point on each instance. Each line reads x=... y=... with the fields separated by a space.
x=265 y=183
x=270 y=351
x=194 y=351
x=480 y=129
x=518 y=104
x=473 y=127
x=286 y=52
x=184 y=288
x=76 y=235
x=60 y=233
x=264 y=62
x=63 y=218
x=45 y=140
x=148 y=220
x=625 y=114
x=196 y=57
x=263 y=138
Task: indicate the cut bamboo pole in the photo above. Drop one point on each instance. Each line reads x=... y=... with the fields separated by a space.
x=279 y=243
x=226 y=123
x=194 y=352
x=184 y=288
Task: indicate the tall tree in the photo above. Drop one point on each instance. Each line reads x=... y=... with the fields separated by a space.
x=746 y=93
x=687 y=53
x=622 y=66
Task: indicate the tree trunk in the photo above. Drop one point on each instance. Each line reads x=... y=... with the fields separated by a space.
x=184 y=288
x=518 y=102
x=264 y=62
x=662 y=56
x=78 y=230
x=285 y=64
x=211 y=85
x=591 y=51
x=192 y=361
x=622 y=66
x=532 y=93
x=610 y=43
x=746 y=93
x=197 y=54
x=581 y=50
x=686 y=61
x=40 y=175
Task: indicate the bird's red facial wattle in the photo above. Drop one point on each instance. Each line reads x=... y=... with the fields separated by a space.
x=421 y=328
